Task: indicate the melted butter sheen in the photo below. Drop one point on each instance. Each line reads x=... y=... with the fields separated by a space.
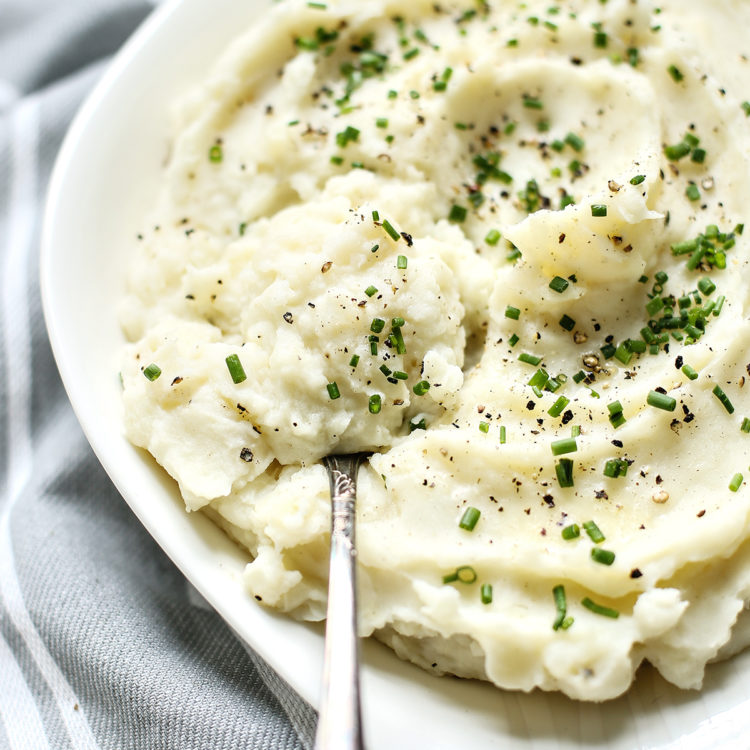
x=503 y=147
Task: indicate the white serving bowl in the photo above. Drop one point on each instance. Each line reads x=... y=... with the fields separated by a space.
x=104 y=182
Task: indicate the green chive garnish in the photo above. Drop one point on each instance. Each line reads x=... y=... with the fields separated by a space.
x=603 y=556
x=371 y=290
x=561 y=605
x=215 y=153
x=512 y=312
x=462 y=574
x=486 y=593
x=719 y=393
x=529 y=359
x=469 y=519
x=558 y=407
x=567 y=323
x=152 y=372
x=736 y=482
x=571 y=532
x=599 y=609
x=661 y=401
x=235 y=368
x=421 y=388
x=354 y=361
x=401 y=262
x=333 y=390
x=559 y=284
x=575 y=141
x=566 y=445
x=638 y=179
x=394 y=235
x=377 y=325
x=598 y=209
x=594 y=532
x=492 y=237
x=564 y=472
x=745 y=426
x=374 y=404
x=457 y=214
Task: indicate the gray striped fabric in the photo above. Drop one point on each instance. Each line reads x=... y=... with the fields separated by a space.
x=102 y=642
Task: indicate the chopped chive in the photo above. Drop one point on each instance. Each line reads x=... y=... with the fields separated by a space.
x=529 y=359
x=503 y=434
x=638 y=179
x=333 y=390
x=689 y=372
x=371 y=290
x=661 y=401
x=486 y=593
x=338 y=160
x=676 y=73
x=692 y=192
x=152 y=372
x=513 y=340
x=354 y=361
x=421 y=425
x=398 y=322
x=532 y=103
x=572 y=531
x=484 y=427
x=564 y=472
x=512 y=312
x=745 y=426
x=575 y=430
x=736 y=482
x=719 y=393
x=574 y=141
x=598 y=609
x=598 y=210
x=469 y=519
x=401 y=262
x=567 y=323
x=394 y=235
x=698 y=156
x=603 y=556
x=374 y=404
x=492 y=237
x=381 y=122
x=558 y=407
x=385 y=369
x=215 y=153
x=594 y=532
x=421 y=388
x=561 y=605
x=563 y=446
x=348 y=135
x=376 y=216
x=676 y=151
x=462 y=574
x=559 y=284
x=579 y=376
x=615 y=468
x=706 y=286
x=457 y=214
x=400 y=375
x=374 y=344
x=539 y=378
x=235 y=368
x=377 y=325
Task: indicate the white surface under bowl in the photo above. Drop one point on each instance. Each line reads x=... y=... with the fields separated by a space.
x=105 y=180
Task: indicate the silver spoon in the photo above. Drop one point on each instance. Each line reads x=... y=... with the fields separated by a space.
x=340 y=720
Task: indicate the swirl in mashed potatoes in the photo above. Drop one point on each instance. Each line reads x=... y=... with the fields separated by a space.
x=501 y=246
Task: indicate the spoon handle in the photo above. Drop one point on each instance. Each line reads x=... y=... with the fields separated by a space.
x=340 y=722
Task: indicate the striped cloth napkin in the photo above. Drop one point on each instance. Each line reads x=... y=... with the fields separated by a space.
x=103 y=644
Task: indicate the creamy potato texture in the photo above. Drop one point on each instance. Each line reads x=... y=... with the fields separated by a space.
x=500 y=245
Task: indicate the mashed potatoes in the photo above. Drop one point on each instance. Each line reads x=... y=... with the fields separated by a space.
x=500 y=245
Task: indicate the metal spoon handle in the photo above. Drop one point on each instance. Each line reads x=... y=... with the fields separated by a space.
x=340 y=722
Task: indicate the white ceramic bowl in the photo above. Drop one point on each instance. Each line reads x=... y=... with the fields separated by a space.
x=105 y=180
